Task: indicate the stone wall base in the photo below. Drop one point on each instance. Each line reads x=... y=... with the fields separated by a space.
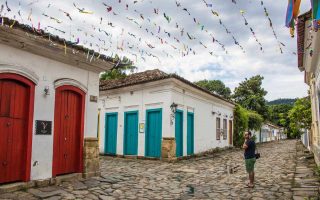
x=168 y=150
x=91 y=162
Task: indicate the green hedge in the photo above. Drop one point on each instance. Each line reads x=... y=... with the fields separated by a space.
x=244 y=120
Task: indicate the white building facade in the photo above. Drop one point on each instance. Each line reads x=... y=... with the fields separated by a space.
x=49 y=106
x=269 y=132
x=309 y=62
x=173 y=118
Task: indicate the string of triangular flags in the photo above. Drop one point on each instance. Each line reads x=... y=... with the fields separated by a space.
x=280 y=44
x=102 y=39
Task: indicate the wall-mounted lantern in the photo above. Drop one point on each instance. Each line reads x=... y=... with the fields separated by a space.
x=173 y=108
x=46 y=91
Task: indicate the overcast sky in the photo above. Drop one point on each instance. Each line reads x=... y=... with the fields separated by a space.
x=127 y=36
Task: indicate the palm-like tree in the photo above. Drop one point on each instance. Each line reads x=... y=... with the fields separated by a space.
x=120 y=69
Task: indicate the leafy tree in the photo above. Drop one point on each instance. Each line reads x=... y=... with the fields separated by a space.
x=244 y=120
x=241 y=120
x=215 y=86
x=300 y=116
x=250 y=95
x=120 y=70
x=254 y=120
x=279 y=115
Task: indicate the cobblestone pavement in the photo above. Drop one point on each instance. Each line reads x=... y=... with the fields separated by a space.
x=214 y=176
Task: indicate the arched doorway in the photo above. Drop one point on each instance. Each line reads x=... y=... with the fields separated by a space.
x=16 y=122
x=68 y=130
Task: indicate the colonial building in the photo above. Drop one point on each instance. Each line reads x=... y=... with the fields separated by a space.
x=154 y=114
x=309 y=63
x=269 y=132
x=48 y=105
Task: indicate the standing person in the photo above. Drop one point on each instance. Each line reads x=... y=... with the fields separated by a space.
x=249 y=147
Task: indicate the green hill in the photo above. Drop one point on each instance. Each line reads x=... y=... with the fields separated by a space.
x=282 y=101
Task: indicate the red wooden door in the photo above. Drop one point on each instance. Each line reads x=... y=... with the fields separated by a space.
x=68 y=139
x=14 y=112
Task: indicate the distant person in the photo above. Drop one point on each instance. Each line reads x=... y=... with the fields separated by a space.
x=249 y=147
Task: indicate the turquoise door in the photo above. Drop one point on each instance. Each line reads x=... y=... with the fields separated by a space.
x=130 y=133
x=190 y=134
x=153 y=133
x=111 y=133
x=179 y=132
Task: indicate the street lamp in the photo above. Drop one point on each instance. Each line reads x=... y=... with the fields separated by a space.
x=173 y=107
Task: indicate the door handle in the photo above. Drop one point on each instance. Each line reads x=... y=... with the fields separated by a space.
x=4 y=163
x=65 y=156
x=8 y=124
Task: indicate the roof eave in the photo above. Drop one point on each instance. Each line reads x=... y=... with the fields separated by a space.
x=39 y=45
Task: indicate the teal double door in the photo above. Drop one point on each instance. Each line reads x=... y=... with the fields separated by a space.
x=130 y=143
x=130 y=140
x=190 y=133
x=153 y=133
x=179 y=133
x=111 y=129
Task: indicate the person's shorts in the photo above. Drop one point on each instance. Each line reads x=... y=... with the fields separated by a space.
x=250 y=164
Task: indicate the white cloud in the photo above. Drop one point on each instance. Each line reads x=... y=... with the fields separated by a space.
x=282 y=77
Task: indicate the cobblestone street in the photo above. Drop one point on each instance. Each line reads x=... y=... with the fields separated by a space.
x=283 y=172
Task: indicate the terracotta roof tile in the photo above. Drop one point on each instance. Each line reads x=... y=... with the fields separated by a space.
x=149 y=76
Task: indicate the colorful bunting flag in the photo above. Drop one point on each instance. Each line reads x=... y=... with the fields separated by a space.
x=316 y=14
x=292 y=14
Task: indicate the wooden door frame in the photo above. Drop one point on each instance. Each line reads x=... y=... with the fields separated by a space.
x=55 y=136
x=31 y=86
x=124 y=130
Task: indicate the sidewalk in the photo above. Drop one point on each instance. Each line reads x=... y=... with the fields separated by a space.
x=306 y=183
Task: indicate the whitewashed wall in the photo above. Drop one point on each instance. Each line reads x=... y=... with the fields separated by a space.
x=49 y=71
x=161 y=94
x=136 y=98
x=257 y=134
x=202 y=105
